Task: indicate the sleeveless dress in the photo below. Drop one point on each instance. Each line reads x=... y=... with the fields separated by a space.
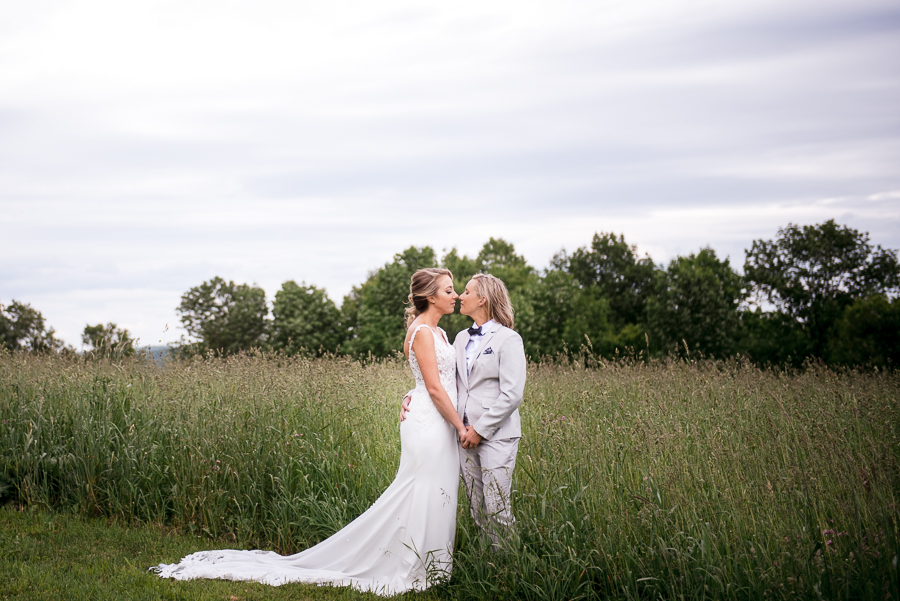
x=404 y=541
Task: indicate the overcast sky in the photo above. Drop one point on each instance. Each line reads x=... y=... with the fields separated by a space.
x=148 y=146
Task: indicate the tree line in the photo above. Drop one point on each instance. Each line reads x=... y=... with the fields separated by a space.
x=822 y=292
x=23 y=328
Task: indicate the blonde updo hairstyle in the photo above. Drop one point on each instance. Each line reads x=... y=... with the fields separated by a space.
x=424 y=283
x=497 y=304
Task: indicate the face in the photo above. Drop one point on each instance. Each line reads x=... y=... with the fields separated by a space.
x=445 y=299
x=469 y=301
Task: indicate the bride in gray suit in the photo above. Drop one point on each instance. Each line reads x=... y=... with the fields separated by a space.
x=490 y=381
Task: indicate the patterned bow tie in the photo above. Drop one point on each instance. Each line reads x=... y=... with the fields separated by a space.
x=473 y=331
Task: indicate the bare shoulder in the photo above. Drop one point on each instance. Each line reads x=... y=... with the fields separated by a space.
x=416 y=330
x=420 y=333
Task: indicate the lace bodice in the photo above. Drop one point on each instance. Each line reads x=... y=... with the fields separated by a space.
x=423 y=411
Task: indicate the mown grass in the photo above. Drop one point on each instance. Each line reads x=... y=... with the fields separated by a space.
x=58 y=555
x=661 y=480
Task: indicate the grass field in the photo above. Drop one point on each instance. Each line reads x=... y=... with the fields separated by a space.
x=55 y=555
x=660 y=480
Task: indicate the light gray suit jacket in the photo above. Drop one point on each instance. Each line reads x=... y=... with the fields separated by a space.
x=491 y=392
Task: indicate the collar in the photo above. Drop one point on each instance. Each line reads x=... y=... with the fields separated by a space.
x=485 y=327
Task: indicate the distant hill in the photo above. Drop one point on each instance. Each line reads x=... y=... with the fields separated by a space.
x=158 y=353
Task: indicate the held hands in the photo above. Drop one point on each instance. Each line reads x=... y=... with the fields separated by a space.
x=470 y=439
x=404 y=407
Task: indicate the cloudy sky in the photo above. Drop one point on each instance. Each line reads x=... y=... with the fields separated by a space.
x=148 y=146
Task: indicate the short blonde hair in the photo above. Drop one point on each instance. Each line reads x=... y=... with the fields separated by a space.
x=493 y=290
x=424 y=283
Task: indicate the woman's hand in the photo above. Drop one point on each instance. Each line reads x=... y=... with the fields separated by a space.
x=470 y=439
x=404 y=407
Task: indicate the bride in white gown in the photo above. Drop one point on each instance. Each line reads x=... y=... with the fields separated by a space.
x=405 y=539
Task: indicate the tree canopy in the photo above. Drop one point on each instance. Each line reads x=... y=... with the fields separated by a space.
x=108 y=338
x=620 y=275
x=224 y=316
x=813 y=292
x=813 y=273
x=498 y=258
x=697 y=304
x=305 y=319
x=868 y=333
x=23 y=328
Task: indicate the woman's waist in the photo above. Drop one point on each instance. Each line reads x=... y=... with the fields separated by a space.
x=449 y=387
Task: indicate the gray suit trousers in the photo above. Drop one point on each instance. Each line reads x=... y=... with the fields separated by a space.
x=487 y=474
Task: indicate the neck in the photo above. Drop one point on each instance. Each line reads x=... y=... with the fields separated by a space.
x=431 y=317
x=480 y=319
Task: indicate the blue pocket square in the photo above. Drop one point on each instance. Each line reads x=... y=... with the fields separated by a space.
x=488 y=351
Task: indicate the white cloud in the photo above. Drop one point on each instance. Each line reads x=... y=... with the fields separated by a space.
x=147 y=147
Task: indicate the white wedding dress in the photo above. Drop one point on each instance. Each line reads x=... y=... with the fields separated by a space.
x=403 y=541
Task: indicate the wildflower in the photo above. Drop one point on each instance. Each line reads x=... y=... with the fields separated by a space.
x=829 y=542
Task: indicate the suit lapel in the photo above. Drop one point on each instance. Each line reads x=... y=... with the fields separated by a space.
x=484 y=342
x=462 y=339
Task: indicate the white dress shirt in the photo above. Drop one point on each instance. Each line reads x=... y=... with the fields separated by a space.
x=475 y=341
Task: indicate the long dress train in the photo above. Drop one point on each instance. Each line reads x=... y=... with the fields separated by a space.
x=403 y=541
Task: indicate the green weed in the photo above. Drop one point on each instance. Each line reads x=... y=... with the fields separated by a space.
x=671 y=479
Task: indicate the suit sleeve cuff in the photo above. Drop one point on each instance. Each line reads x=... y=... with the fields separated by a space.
x=484 y=433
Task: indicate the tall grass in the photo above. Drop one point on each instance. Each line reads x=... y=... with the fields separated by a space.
x=661 y=480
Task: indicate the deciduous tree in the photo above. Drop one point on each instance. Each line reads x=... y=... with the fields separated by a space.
x=498 y=258
x=813 y=273
x=697 y=303
x=621 y=276
x=560 y=316
x=868 y=333
x=224 y=316
x=304 y=318
x=23 y=328
x=773 y=338
x=108 y=338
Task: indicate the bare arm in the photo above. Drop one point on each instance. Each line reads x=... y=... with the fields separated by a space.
x=423 y=345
